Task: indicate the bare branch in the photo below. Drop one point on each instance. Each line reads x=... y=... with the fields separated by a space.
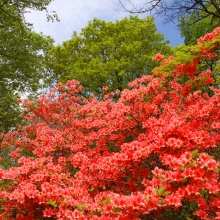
x=172 y=9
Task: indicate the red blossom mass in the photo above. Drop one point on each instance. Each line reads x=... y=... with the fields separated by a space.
x=148 y=155
x=158 y=56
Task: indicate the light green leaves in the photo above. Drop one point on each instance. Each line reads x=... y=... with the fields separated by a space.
x=161 y=191
x=195 y=154
x=53 y=203
x=106 y=201
x=81 y=207
x=108 y=54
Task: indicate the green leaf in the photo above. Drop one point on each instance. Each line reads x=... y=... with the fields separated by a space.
x=116 y=209
x=160 y=177
x=191 y=164
x=53 y=203
x=166 y=193
x=106 y=201
x=160 y=190
x=181 y=168
x=64 y=202
x=81 y=207
x=161 y=202
x=148 y=198
x=129 y=117
x=195 y=154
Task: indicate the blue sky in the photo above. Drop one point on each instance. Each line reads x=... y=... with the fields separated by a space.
x=75 y=14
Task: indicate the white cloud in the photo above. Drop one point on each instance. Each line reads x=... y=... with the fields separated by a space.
x=75 y=14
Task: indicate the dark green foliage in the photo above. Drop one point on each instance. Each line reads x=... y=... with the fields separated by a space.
x=21 y=58
x=196 y=25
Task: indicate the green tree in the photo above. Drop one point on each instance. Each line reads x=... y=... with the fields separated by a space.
x=108 y=54
x=8 y=7
x=197 y=24
x=21 y=57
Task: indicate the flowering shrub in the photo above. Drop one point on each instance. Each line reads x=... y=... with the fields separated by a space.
x=153 y=154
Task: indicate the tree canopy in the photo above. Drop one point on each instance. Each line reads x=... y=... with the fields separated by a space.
x=8 y=7
x=108 y=54
x=196 y=25
x=21 y=56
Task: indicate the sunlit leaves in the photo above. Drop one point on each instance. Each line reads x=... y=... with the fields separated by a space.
x=108 y=54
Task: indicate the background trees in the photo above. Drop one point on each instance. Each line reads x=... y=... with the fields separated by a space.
x=21 y=58
x=14 y=10
x=197 y=24
x=195 y=17
x=108 y=54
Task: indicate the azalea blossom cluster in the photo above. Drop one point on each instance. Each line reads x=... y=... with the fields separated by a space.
x=152 y=154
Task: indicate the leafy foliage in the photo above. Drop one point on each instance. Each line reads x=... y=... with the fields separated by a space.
x=196 y=25
x=21 y=56
x=108 y=54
